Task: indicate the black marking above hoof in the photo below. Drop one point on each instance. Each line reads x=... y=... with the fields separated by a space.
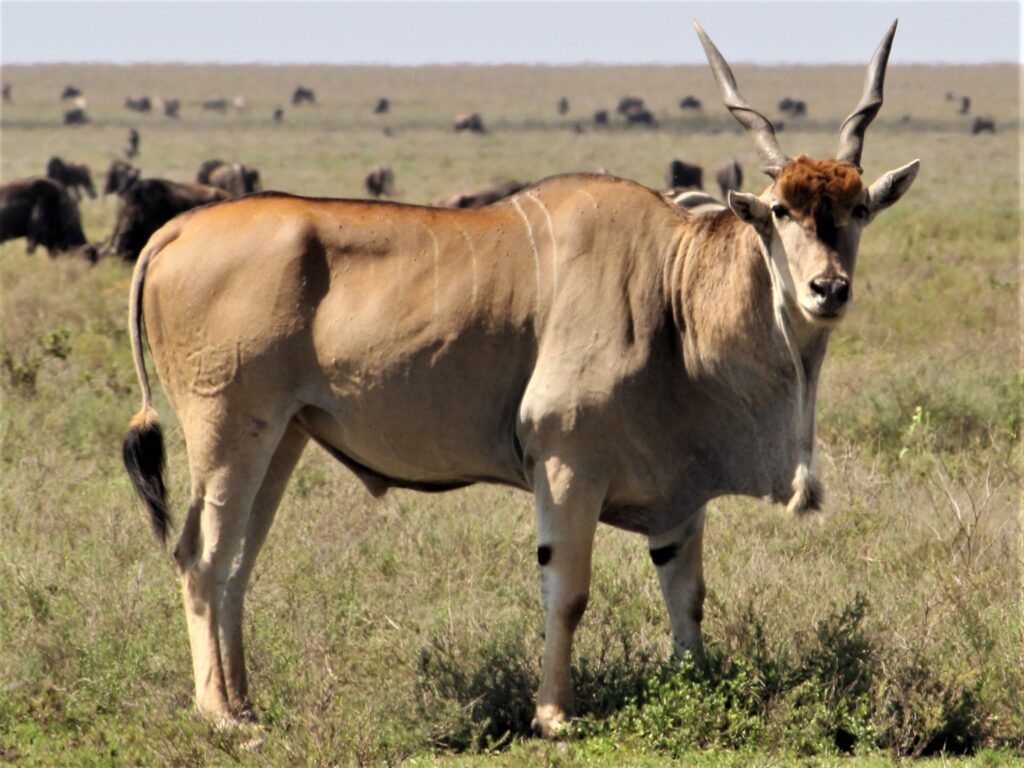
x=662 y=555
x=543 y=555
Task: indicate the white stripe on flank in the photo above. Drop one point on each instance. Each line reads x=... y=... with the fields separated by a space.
x=532 y=194
x=437 y=277
x=582 y=191
x=472 y=262
x=533 y=243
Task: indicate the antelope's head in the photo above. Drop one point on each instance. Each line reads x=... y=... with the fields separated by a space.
x=810 y=219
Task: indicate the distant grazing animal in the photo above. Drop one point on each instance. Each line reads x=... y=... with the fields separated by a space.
x=562 y=106
x=640 y=116
x=629 y=104
x=383 y=105
x=623 y=360
x=75 y=116
x=729 y=177
x=234 y=178
x=206 y=168
x=120 y=176
x=140 y=104
x=69 y=92
x=690 y=102
x=241 y=105
x=474 y=123
x=73 y=176
x=133 y=143
x=278 y=114
x=40 y=210
x=148 y=204
x=983 y=125
x=302 y=95
x=601 y=117
x=682 y=175
x=7 y=91
x=965 y=105
x=380 y=181
x=793 y=107
x=481 y=197
x=170 y=107
x=220 y=104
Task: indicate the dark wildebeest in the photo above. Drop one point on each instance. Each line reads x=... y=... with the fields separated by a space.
x=148 y=204
x=220 y=104
x=76 y=116
x=623 y=360
x=120 y=176
x=683 y=175
x=380 y=181
x=983 y=125
x=690 y=102
x=7 y=91
x=140 y=104
x=40 y=210
x=278 y=114
x=383 y=105
x=206 y=168
x=562 y=106
x=301 y=95
x=729 y=177
x=170 y=107
x=481 y=197
x=965 y=105
x=236 y=179
x=793 y=107
x=628 y=104
x=231 y=177
x=473 y=122
x=640 y=116
x=601 y=117
x=133 y=143
x=73 y=176
x=70 y=92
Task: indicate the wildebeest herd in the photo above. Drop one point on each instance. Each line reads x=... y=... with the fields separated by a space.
x=46 y=212
x=583 y=339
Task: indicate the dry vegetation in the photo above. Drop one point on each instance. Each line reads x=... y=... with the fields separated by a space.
x=409 y=628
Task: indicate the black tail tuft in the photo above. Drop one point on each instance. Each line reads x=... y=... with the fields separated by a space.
x=143 y=452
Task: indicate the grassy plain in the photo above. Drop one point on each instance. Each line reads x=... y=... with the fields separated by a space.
x=409 y=628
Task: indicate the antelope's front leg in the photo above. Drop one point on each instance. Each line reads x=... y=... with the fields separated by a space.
x=568 y=508
x=678 y=558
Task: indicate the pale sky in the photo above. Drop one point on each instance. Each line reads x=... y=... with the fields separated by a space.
x=410 y=33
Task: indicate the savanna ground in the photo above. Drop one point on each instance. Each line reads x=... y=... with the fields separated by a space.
x=409 y=628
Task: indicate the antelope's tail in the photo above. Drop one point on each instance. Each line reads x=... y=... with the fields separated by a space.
x=143 y=446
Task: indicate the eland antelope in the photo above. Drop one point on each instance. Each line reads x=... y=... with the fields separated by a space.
x=585 y=340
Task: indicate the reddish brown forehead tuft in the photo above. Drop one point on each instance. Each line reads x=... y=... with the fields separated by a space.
x=804 y=182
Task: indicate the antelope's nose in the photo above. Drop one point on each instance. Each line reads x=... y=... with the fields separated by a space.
x=831 y=293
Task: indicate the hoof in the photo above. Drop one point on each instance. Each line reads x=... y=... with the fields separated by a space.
x=550 y=722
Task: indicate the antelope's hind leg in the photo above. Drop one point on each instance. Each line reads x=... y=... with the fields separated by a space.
x=287 y=455
x=229 y=463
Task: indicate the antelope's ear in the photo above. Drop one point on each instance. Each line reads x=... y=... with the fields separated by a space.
x=751 y=210
x=891 y=186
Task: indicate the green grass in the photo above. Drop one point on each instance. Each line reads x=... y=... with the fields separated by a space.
x=408 y=629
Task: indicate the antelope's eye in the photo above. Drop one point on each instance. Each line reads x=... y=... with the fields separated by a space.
x=780 y=211
x=860 y=211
